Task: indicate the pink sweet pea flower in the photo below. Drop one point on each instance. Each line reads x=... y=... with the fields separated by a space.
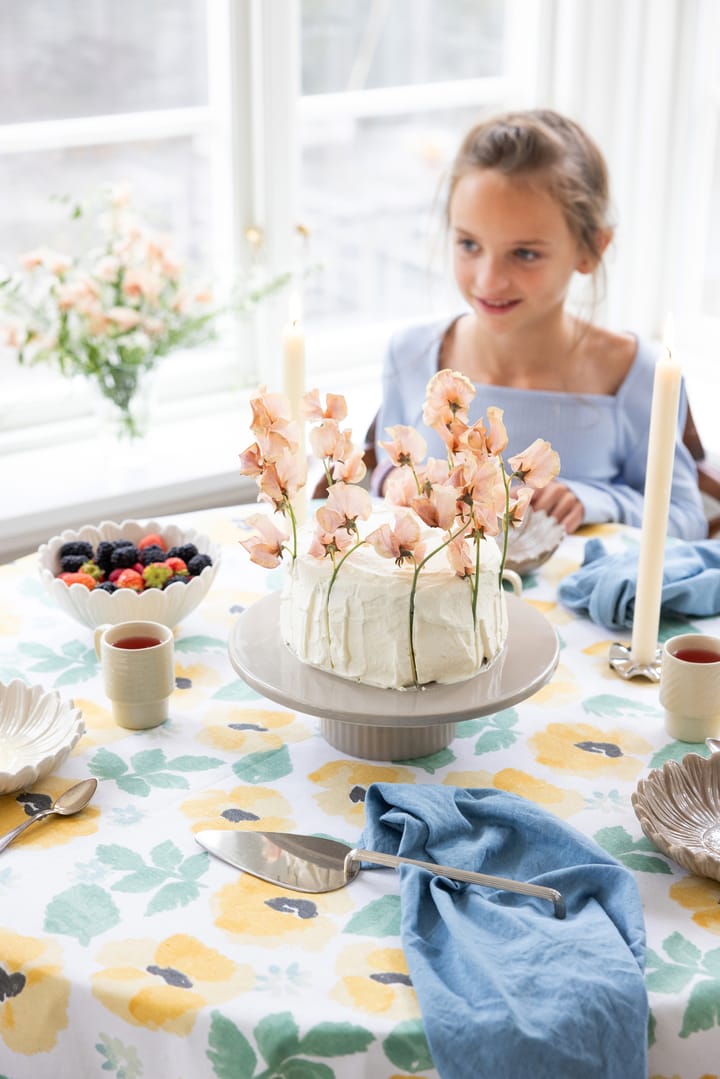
x=497 y=437
x=125 y=318
x=460 y=557
x=280 y=480
x=54 y=261
x=330 y=536
x=335 y=407
x=327 y=440
x=350 y=470
x=447 y=398
x=437 y=508
x=536 y=465
x=519 y=504
x=400 y=487
x=251 y=461
x=406 y=447
x=265 y=549
x=401 y=542
x=272 y=425
x=349 y=502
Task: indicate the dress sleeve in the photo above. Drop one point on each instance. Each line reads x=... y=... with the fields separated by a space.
x=622 y=500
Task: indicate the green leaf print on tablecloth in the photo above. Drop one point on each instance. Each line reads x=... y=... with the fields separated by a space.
x=120 y=1060
x=432 y=763
x=497 y=733
x=687 y=962
x=676 y=751
x=637 y=854
x=175 y=876
x=199 y=643
x=151 y=769
x=82 y=912
x=236 y=691
x=609 y=706
x=380 y=918
x=407 y=1048
x=285 y=1053
x=77 y=662
x=264 y=766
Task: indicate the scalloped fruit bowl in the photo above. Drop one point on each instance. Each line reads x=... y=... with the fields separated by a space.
x=37 y=731
x=95 y=608
x=678 y=807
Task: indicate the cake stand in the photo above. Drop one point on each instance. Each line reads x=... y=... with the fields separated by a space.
x=391 y=724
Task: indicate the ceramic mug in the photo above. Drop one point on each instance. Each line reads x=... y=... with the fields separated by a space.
x=690 y=686
x=514 y=580
x=138 y=670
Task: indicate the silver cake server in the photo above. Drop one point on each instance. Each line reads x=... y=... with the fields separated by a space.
x=307 y=863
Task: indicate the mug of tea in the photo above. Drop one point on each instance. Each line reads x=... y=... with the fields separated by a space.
x=138 y=671
x=690 y=686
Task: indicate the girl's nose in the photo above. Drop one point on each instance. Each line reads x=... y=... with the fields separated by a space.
x=490 y=274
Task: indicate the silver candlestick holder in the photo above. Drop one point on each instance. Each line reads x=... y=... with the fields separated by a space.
x=623 y=664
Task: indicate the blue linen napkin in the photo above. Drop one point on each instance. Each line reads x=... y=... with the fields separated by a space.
x=506 y=989
x=604 y=586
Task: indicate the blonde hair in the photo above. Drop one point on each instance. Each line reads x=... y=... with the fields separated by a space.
x=542 y=146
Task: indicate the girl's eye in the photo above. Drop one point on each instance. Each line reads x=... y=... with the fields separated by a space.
x=468 y=246
x=526 y=255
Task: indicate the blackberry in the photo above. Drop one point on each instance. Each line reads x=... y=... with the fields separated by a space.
x=103 y=554
x=77 y=547
x=186 y=551
x=182 y=577
x=197 y=563
x=124 y=557
x=151 y=554
x=71 y=563
x=122 y=543
x=107 y=586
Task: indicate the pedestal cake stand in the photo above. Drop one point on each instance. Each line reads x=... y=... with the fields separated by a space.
x=391 y=724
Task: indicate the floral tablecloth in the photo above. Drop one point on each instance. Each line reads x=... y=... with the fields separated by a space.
x=127 y=951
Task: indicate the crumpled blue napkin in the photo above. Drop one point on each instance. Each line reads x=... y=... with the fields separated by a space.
x=506 y=989
x=604 y=586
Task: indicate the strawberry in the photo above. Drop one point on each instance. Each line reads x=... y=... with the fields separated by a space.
x=130 y=578
x=151 y=540
x=79 y=578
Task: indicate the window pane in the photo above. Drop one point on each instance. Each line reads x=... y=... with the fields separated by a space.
x=364 y=44
x=73 y=58
x=372 y=194
x=169 y=182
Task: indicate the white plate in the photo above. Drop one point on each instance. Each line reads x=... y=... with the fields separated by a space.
x=37 y=731
x=260 y=657
x=678 y=807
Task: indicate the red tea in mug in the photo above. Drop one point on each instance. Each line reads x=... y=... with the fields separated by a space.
x=697 y=655
x=145 y=642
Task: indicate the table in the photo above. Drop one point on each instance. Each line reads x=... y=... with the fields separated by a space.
x=127 y=951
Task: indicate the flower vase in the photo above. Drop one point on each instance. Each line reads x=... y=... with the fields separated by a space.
x=125 y=416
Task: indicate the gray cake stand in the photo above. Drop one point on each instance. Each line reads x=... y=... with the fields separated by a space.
x=391 y=724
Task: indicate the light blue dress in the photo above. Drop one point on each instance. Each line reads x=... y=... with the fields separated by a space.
x=602 y=440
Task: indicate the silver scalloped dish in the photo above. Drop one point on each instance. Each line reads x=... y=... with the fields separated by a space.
x=678 y=807
x=37 y=731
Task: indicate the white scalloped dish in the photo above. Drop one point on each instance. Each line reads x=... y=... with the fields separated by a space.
x=37 y=731
x=95 y=608
x=533 y=542
x=678 y=807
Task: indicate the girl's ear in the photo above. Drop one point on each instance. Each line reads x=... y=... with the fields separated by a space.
x=588 y=260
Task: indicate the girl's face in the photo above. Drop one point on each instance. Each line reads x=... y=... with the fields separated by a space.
x=513 y=252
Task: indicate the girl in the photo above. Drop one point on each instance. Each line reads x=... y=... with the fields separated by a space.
x=527 y=208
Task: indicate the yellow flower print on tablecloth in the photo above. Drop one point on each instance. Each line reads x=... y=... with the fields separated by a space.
x=345 y=784
x=375 y=980
x=34 y=993
x=702 y=896
x=100 y=727
x=584 y=750
x=193 y=684
x=246 y=807
x=256 y=912
x=561 y=689
x=235 y=729
x=562 y=803
x=58 y=830
x=162 y=986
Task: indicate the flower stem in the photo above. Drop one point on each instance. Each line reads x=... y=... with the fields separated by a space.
x=336 y=568
x=506 y=522
x=418 y=566
x=476 y=582
x=293 y=525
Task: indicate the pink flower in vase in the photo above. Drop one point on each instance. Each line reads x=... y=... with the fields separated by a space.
x=335 y=407
x=265 y=548
x=536 y=465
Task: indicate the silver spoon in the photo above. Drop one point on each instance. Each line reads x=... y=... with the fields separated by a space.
x=70 y=801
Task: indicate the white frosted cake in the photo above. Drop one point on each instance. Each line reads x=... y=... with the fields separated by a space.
x=363 y=633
